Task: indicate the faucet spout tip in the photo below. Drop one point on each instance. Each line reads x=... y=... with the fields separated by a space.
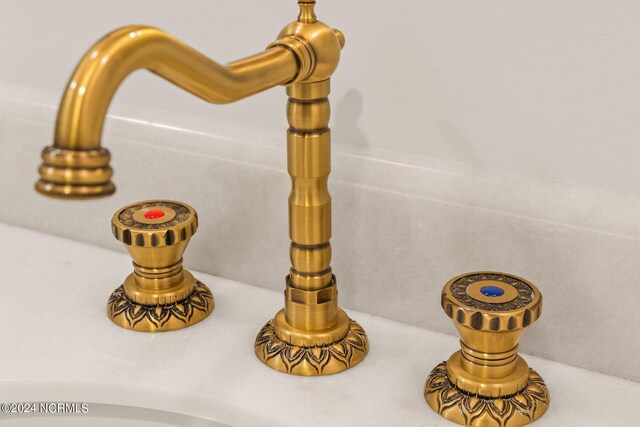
x=75 y=174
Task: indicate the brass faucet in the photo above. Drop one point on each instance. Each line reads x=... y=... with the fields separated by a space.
x=486 y=383
x=312 y=335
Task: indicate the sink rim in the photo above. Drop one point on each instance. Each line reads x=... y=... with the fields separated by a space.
x=137 y=395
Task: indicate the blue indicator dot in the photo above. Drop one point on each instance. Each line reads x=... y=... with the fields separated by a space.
x=491 y=291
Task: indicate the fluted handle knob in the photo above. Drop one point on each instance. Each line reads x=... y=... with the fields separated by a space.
x=160 y=294
x=491 y=302
x=154 y=223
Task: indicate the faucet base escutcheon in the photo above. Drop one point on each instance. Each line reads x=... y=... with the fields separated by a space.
x=180 y=314
x=521 y=408
x=310 y=353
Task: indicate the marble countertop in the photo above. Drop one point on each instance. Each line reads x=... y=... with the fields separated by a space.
x=59 y=345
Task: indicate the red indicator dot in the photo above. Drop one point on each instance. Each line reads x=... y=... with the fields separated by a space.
x=153 y=214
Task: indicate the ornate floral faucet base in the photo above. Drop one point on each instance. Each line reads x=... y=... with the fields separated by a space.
x=160 y=318
x=314 y=360
x=469 y=410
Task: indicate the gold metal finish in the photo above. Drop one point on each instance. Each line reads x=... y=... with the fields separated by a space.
x=160 y=295
x=312 y=335
x=487 y=383
x=76 y=166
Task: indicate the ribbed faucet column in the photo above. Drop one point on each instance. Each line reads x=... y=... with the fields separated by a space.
x=311 y=335
x=311 y=296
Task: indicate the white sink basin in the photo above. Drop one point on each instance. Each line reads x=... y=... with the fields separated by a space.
x=104 y=415
x=108 y=404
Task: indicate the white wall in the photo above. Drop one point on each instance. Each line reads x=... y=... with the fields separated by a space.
x=542 y=87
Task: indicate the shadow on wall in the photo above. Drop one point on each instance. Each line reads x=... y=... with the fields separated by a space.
x=348 y=111
x=458 y=144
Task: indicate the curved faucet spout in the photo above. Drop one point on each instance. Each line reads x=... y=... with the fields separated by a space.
x=76 y=165
x=112 y=59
